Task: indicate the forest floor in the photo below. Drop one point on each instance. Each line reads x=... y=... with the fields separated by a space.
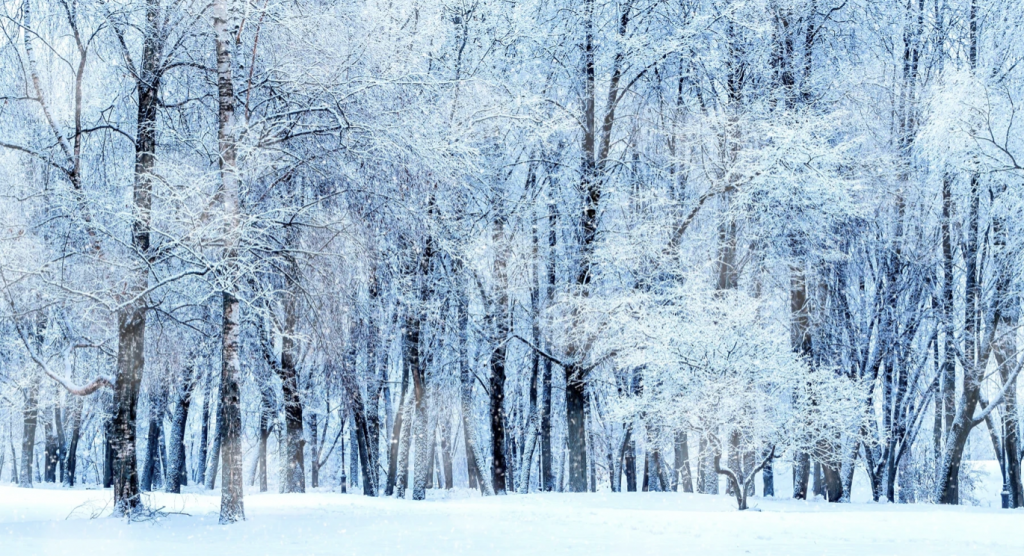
x=44 y=521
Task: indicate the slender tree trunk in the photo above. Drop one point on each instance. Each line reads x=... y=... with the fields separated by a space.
x=49 y=453
x=266 y=411
x=629 y=449
x=447 y=456
x=204 y=432
x=353 y=456
x=71 y=461
x=231 y=503
x=547 y=474
x=30 y=417
x=314 y=450
x=151 y=463
x=14 y=461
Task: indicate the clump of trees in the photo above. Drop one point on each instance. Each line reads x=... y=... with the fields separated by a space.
x=394 y=247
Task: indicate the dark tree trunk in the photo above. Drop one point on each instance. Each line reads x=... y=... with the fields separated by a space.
x=497 y=420
x=130 y=362
x=768 y=478
x=176 y=471
x=150 y=463
x=547 y=472
x=108 y=457
x=50 y=457
x=132 y=319
x=499 y=468
x=71 y=459
x=575 y=403
x=629 y=466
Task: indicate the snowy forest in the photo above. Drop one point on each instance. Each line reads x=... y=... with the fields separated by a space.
x=755 y=248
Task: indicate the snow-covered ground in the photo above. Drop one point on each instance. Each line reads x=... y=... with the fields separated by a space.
x=45 y=521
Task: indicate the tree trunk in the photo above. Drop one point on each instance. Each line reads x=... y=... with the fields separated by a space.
x=682 y=463
x=71 y=459
x=231 y=503
x=547 y=472
x=294 y=479
x=266 y=411
x=30 y=417
x=132 y=319
x=151 y=463
x=402 y=479
x=629 y=449
x=314 y=450
x=800 y=340
x=176 y=472
x=575 y=403
x=204 y=433
x=423 y=439
x=396 y=431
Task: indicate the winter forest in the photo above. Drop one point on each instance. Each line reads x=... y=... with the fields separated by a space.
x=760 y=249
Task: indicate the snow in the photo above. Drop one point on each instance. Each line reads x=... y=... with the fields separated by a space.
x=45 y=521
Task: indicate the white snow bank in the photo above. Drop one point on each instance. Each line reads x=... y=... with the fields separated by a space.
x=45 y=521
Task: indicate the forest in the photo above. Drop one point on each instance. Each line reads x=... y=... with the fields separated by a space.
x=397 y=247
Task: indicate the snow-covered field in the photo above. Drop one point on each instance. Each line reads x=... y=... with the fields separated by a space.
x=45 y=521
